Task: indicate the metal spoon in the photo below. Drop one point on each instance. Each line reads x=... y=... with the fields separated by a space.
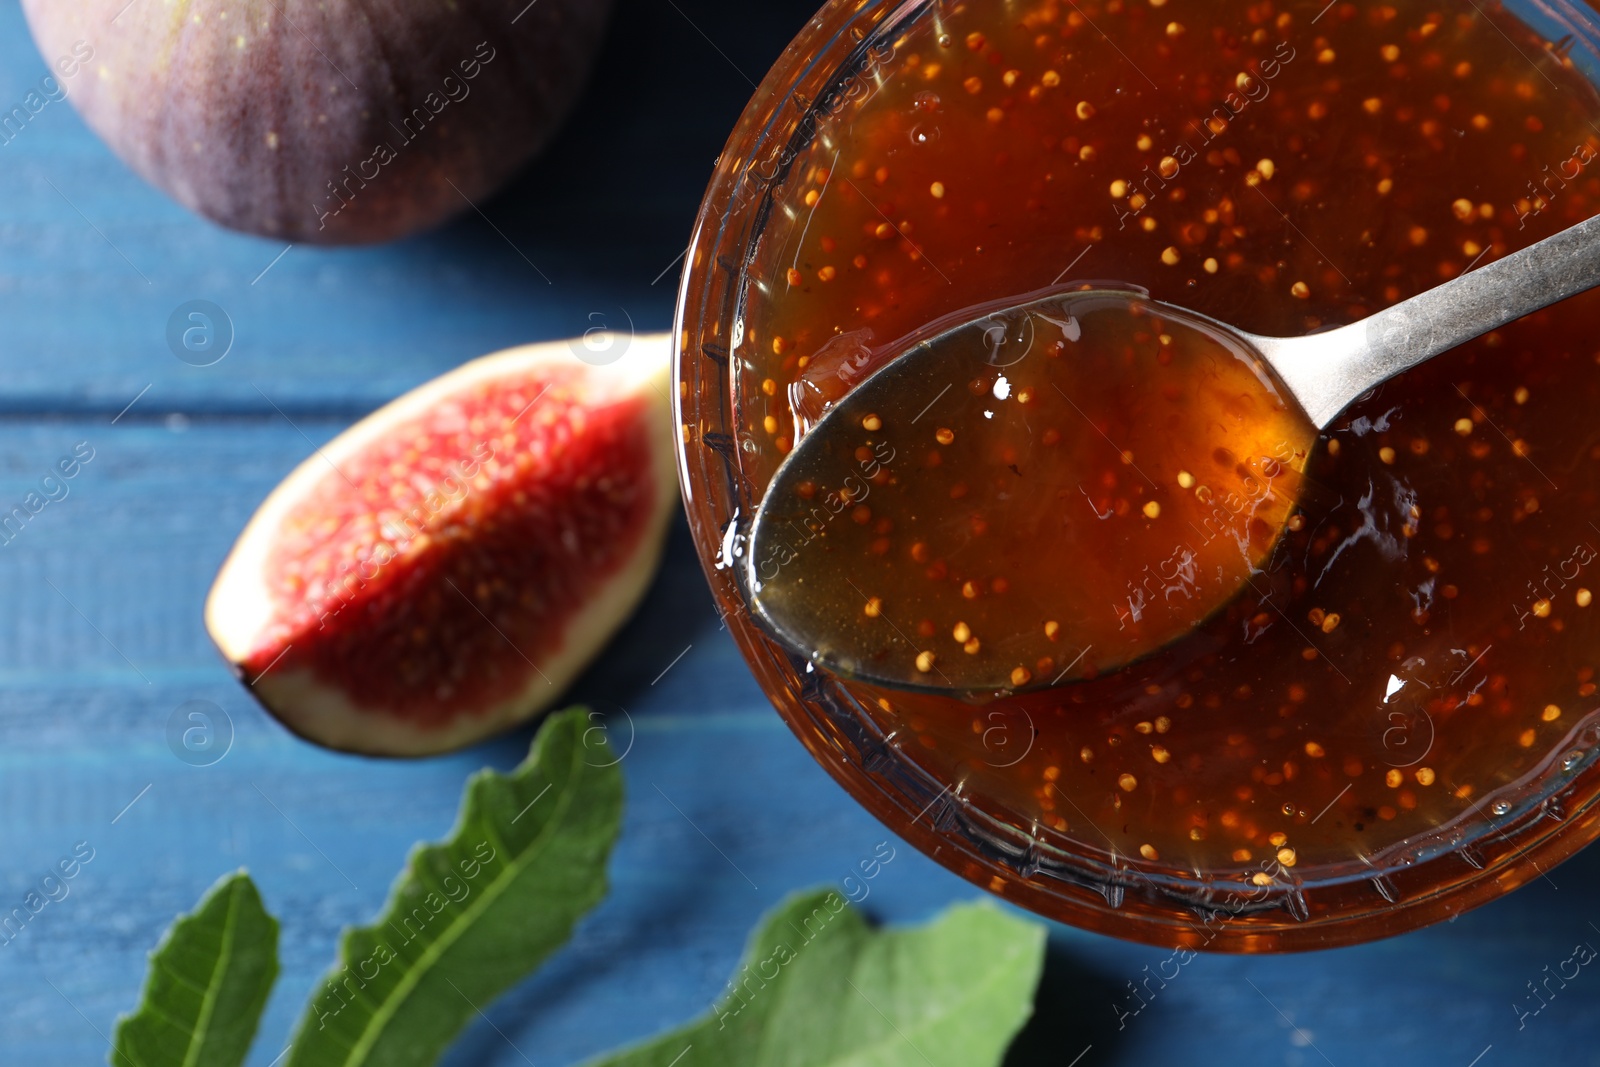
x=1055 y=486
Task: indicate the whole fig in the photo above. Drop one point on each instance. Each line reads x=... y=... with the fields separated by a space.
x=326 y=121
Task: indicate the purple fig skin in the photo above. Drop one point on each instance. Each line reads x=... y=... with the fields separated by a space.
x=322 y=121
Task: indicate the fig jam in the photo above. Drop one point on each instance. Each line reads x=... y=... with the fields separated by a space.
x=1422 y=648
x=975 y=540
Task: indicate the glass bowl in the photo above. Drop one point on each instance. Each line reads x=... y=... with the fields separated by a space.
x=1406 y=841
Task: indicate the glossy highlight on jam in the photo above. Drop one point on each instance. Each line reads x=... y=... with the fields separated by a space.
x=1415 y=668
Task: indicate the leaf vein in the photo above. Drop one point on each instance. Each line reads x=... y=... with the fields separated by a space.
x=208 y=1002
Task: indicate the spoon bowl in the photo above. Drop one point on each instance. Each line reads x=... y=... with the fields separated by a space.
x=995 y=510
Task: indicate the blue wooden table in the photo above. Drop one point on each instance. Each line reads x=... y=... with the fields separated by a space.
x=101 y=637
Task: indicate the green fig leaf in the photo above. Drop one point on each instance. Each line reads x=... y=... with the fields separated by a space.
x=208 y=983
x=818 y=988
x=473 y=915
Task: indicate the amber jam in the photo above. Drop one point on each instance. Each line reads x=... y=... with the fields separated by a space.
x=983 y=542
x=1412 y=675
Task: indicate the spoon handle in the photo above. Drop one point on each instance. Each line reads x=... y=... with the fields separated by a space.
x=1328 y=370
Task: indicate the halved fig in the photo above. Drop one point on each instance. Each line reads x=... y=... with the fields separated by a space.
x=442 y=570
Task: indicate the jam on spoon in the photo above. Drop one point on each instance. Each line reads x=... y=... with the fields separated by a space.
x=1037 y=495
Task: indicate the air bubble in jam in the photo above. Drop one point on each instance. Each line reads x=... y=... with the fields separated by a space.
x=1442 y=522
